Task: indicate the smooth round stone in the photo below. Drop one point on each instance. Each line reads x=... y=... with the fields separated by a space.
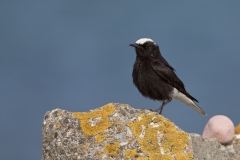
x=219 y=127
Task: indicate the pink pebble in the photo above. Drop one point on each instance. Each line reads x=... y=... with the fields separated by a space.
x=219 y=127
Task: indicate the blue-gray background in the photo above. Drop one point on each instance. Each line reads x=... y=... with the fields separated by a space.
x=74 y=55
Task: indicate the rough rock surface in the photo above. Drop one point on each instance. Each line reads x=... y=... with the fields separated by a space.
x=211 y=149
x=117 y=131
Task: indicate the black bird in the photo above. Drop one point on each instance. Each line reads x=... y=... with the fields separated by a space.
x=155 y=77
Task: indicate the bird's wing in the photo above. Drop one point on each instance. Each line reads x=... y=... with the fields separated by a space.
x=166 y=72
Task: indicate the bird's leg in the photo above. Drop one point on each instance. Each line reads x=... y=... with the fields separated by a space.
x=163 y=104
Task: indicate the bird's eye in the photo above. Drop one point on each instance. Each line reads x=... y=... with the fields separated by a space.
x=147 y=46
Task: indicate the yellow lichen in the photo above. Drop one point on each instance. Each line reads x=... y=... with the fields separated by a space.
x=112 y=148
x=58 y=126
x=100 y=137
x=183 y=157
x=96 y=121
x=99 y=151
x=142 y=158
x=160 y=138
x=158 y=156
x=83 y=148
x=139 y=123
x=237 y=129
x=130 y=153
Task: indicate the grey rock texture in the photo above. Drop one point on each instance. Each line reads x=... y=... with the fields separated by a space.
x=211 y=149
x=117 y=131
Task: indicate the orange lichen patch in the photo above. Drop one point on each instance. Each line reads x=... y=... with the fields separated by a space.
x=237 y=129
x=112 y=148
x=130 y=153
x=149 y=141
x=182 y=157
x=83 y=148
x=136 y=126
x=96 y=121
x=160 y=157
x=100 y=137
x=175 y=143
x=142 y=158
x=160 y=138
x=58 y=126
x=100 y=152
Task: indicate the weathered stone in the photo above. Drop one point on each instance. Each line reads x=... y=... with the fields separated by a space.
x=211 y=149
x=117 y=131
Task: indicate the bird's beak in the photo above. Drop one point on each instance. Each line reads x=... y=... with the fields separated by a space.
x=134 y=45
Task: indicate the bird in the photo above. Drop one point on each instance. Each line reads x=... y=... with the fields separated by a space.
x=156 y=79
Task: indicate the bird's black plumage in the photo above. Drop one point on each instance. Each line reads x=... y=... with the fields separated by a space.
x=155 y=77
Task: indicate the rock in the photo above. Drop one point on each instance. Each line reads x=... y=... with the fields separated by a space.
x=221 y=128
x=117 y=131
x=237 y=129
x=211 y=149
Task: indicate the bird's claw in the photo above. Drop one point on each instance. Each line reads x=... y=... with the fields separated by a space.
x=156 y=110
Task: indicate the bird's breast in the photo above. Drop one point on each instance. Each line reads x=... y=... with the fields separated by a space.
x=148 y=82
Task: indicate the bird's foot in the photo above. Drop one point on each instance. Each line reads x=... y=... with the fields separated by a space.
x=156 y=110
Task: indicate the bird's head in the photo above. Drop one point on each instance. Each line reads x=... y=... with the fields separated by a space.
x=146 y=48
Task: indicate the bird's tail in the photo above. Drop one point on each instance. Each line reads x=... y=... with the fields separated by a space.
x=186 y=100
x=197 y=108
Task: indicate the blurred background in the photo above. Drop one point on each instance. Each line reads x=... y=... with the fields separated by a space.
x=75 y=55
